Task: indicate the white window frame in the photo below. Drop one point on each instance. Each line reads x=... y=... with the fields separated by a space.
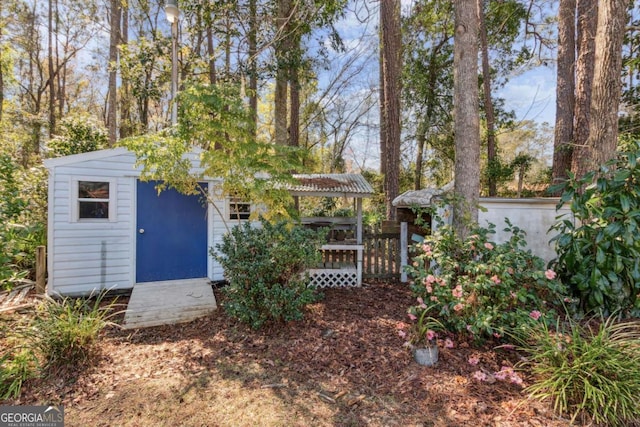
x=231 y=201
x=75 y=199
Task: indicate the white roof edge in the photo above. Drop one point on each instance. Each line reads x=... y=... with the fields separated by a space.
x=83 y=157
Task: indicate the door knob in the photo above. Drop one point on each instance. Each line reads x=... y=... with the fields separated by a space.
x=141 y=231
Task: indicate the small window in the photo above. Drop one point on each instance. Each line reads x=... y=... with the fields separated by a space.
x=93 y=200
x=239 y=209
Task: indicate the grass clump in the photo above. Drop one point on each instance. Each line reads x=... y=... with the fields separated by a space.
x=15 y=369
x=60 y=334
x=589 y=370
x=65 y=332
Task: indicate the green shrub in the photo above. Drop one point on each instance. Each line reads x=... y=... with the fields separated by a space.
x=78 y=134
x=16 y=368
x=598 y=252
x=64 y=333
x=587 y=370
x=265 y=266
x=480 y=287
x=22 y=220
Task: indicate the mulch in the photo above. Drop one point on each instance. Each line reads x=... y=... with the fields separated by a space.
x=346 y=351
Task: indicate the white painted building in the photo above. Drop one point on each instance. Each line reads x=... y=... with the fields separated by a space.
x=108 y=230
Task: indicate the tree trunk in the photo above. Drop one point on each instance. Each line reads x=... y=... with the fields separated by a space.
x=421 y=140
x=126 y=123
x=383 y=118
x=466 y=123
x=1 y=72
x=212 y=57
x=565 y=91
x=227 y=43
x=488 y=103
x=52 y=86
x=253 y=65
x=114 y=37
x=294 y=114
x=282 y=75
x=586 y=47
x=392 y=67
x=607 y=85
x=1 y=87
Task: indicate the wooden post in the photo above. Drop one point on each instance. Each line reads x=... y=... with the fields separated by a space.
x=41 y=268
x=404 y=246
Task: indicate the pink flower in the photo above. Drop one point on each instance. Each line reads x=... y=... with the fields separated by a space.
x=480 y=376
x=457 y=292
x=434 y=298
x=412 y=316
x=550 y=274
x=535 y=314
x=442 y=282
x=448 y=343
x=515 y=379
x=495 y=279
x=488 y=245
x=429 y=289
x=402 y=334
x=430 y=279
x=427 y=249
x=474 y=360
x=431 y=334
x=501 y=375
x=421 y=303
x=458 y=307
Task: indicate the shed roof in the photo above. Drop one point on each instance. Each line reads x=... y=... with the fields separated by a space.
x=331 y=185
x=422 y=197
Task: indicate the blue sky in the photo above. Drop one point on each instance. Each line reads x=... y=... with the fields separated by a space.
x=532 y=95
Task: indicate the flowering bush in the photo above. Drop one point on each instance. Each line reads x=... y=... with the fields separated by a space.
x=482 y=288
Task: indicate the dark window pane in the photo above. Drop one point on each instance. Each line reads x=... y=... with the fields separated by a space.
x=94 y=210
x=240 y=210
x=93 y=190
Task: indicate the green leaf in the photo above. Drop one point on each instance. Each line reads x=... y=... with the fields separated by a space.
x=624 y=203
x=600 y=257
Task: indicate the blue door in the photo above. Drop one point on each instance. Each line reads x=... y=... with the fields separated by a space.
x=171 y=234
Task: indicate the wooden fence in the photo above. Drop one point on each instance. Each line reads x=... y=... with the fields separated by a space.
x=381 y=255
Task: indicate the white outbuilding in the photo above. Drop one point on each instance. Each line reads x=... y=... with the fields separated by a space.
x=109 y=230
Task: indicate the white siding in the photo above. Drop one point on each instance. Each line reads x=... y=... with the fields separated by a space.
x=534 y=216
x=96 y=255
x=219 y=214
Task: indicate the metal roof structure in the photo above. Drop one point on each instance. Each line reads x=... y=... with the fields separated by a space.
x=331 y=185
x=422 y=197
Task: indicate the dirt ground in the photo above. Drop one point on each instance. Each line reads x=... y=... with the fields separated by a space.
x=343 y=365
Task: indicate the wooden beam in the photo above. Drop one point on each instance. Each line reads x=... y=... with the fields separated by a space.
x=41 y=269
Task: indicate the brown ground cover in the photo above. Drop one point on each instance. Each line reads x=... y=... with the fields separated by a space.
x=343 y=365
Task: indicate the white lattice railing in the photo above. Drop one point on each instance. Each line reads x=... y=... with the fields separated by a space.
x=333 y=278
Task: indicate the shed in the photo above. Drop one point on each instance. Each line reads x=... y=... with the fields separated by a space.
x=109 y=230
x=535 y=216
